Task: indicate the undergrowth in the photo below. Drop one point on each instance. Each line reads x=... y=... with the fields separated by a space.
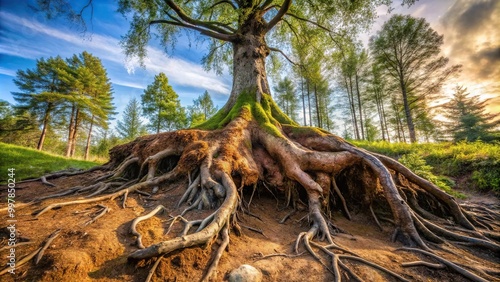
x=30 y=163
x=477 y=163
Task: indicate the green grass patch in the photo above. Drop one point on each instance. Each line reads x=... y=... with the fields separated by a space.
x=477 y=162
x=30 y=163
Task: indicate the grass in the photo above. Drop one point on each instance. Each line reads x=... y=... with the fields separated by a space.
x=477 y=163
x=30 y=163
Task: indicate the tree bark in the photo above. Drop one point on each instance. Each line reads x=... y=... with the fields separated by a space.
x=249 y=55
x=89 y=137
x=409 y=119
x=46 y=120
x=318 y=113
x=303 y=100
x=70 y=131
x=75 y=133
x=362 y=127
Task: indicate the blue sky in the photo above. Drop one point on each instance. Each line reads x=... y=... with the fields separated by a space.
x=470 y=29
x=26 y=36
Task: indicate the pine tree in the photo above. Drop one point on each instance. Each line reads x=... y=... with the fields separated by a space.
x=90 y=101
x=130 y=126
x=161 y=105
x=285 y=97
x=202 y=109
x=42 y=92
x=468 y=119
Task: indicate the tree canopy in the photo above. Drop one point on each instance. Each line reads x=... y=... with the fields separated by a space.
x=161 y=105
x=409 y=49
x=468 y=119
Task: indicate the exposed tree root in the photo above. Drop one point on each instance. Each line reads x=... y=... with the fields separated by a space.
x=449 y=264
x=38 y=253
x=311 y=168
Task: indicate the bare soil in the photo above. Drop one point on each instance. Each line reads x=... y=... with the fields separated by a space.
x=98 y=252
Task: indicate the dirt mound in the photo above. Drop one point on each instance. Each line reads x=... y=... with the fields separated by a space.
x=98 y=251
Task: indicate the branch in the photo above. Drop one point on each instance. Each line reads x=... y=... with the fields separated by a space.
x=207 y=25
x=222 y=2
x=284 y=55
x=210 y=33
x=281 y=12
x=309 y=21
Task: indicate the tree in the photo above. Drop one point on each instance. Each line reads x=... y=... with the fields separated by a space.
x=285 y=97
x=409 y=50
x=203 y=108
x=18 y=126
x=90 y=99
x=251 y=144
x=161 y=105
x=131 y=127
x=42 y=92
x=468 y=120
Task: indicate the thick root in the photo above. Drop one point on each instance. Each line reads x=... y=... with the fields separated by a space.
x=312 y=169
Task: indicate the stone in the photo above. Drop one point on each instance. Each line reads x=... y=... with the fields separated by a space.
x=245 y=273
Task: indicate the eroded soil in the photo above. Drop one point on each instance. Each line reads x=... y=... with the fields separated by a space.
x=98 y=252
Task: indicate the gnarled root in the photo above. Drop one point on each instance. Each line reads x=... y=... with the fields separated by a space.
x=312 y=168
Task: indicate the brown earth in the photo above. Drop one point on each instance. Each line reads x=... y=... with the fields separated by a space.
x=98 y=252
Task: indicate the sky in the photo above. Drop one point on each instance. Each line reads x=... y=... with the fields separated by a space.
x=470 y=29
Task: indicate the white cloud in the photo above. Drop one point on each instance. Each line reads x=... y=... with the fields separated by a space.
x=8 y=72
x=127 y=84
x=107 y=48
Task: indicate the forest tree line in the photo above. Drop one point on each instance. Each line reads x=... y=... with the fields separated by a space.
x=382 y=92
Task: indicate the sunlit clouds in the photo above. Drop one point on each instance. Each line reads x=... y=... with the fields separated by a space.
x=472 y=39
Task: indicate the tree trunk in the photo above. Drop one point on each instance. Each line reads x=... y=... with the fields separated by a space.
x=350 y=92
x=249 y=70
x=409 y=119
x=385 y=119
x=75 y=133
x=89 y=137
x=71 y=130
x=303 y=101
x=309 y=102
x=158 y=122
x=46 y=120
x=318 y=113
x=362 y=127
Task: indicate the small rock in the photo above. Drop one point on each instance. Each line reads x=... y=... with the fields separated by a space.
x=245 y=273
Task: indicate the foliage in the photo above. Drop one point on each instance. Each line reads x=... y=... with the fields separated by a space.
x=42 y=92
x=285 y=97
x=477 y=164
x=17 y=126
x=131 y=127
x=418 y=165
x=468 y=120
x=409 y=51
x=162 y=107
x=57 y=92
x=202 y=109
x=30 y=163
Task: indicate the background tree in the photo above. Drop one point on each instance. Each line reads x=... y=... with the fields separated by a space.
x=130 y=126
x=89 y=102
x=468 y=119
x=42 y=92
x=409 y=51
x=285 y=97
x=18 y=126
x=161 y=105
x=202 y=109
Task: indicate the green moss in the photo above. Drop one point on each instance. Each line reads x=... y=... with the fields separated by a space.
x=276 y=112
x=247 y=107
x=308 y=130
